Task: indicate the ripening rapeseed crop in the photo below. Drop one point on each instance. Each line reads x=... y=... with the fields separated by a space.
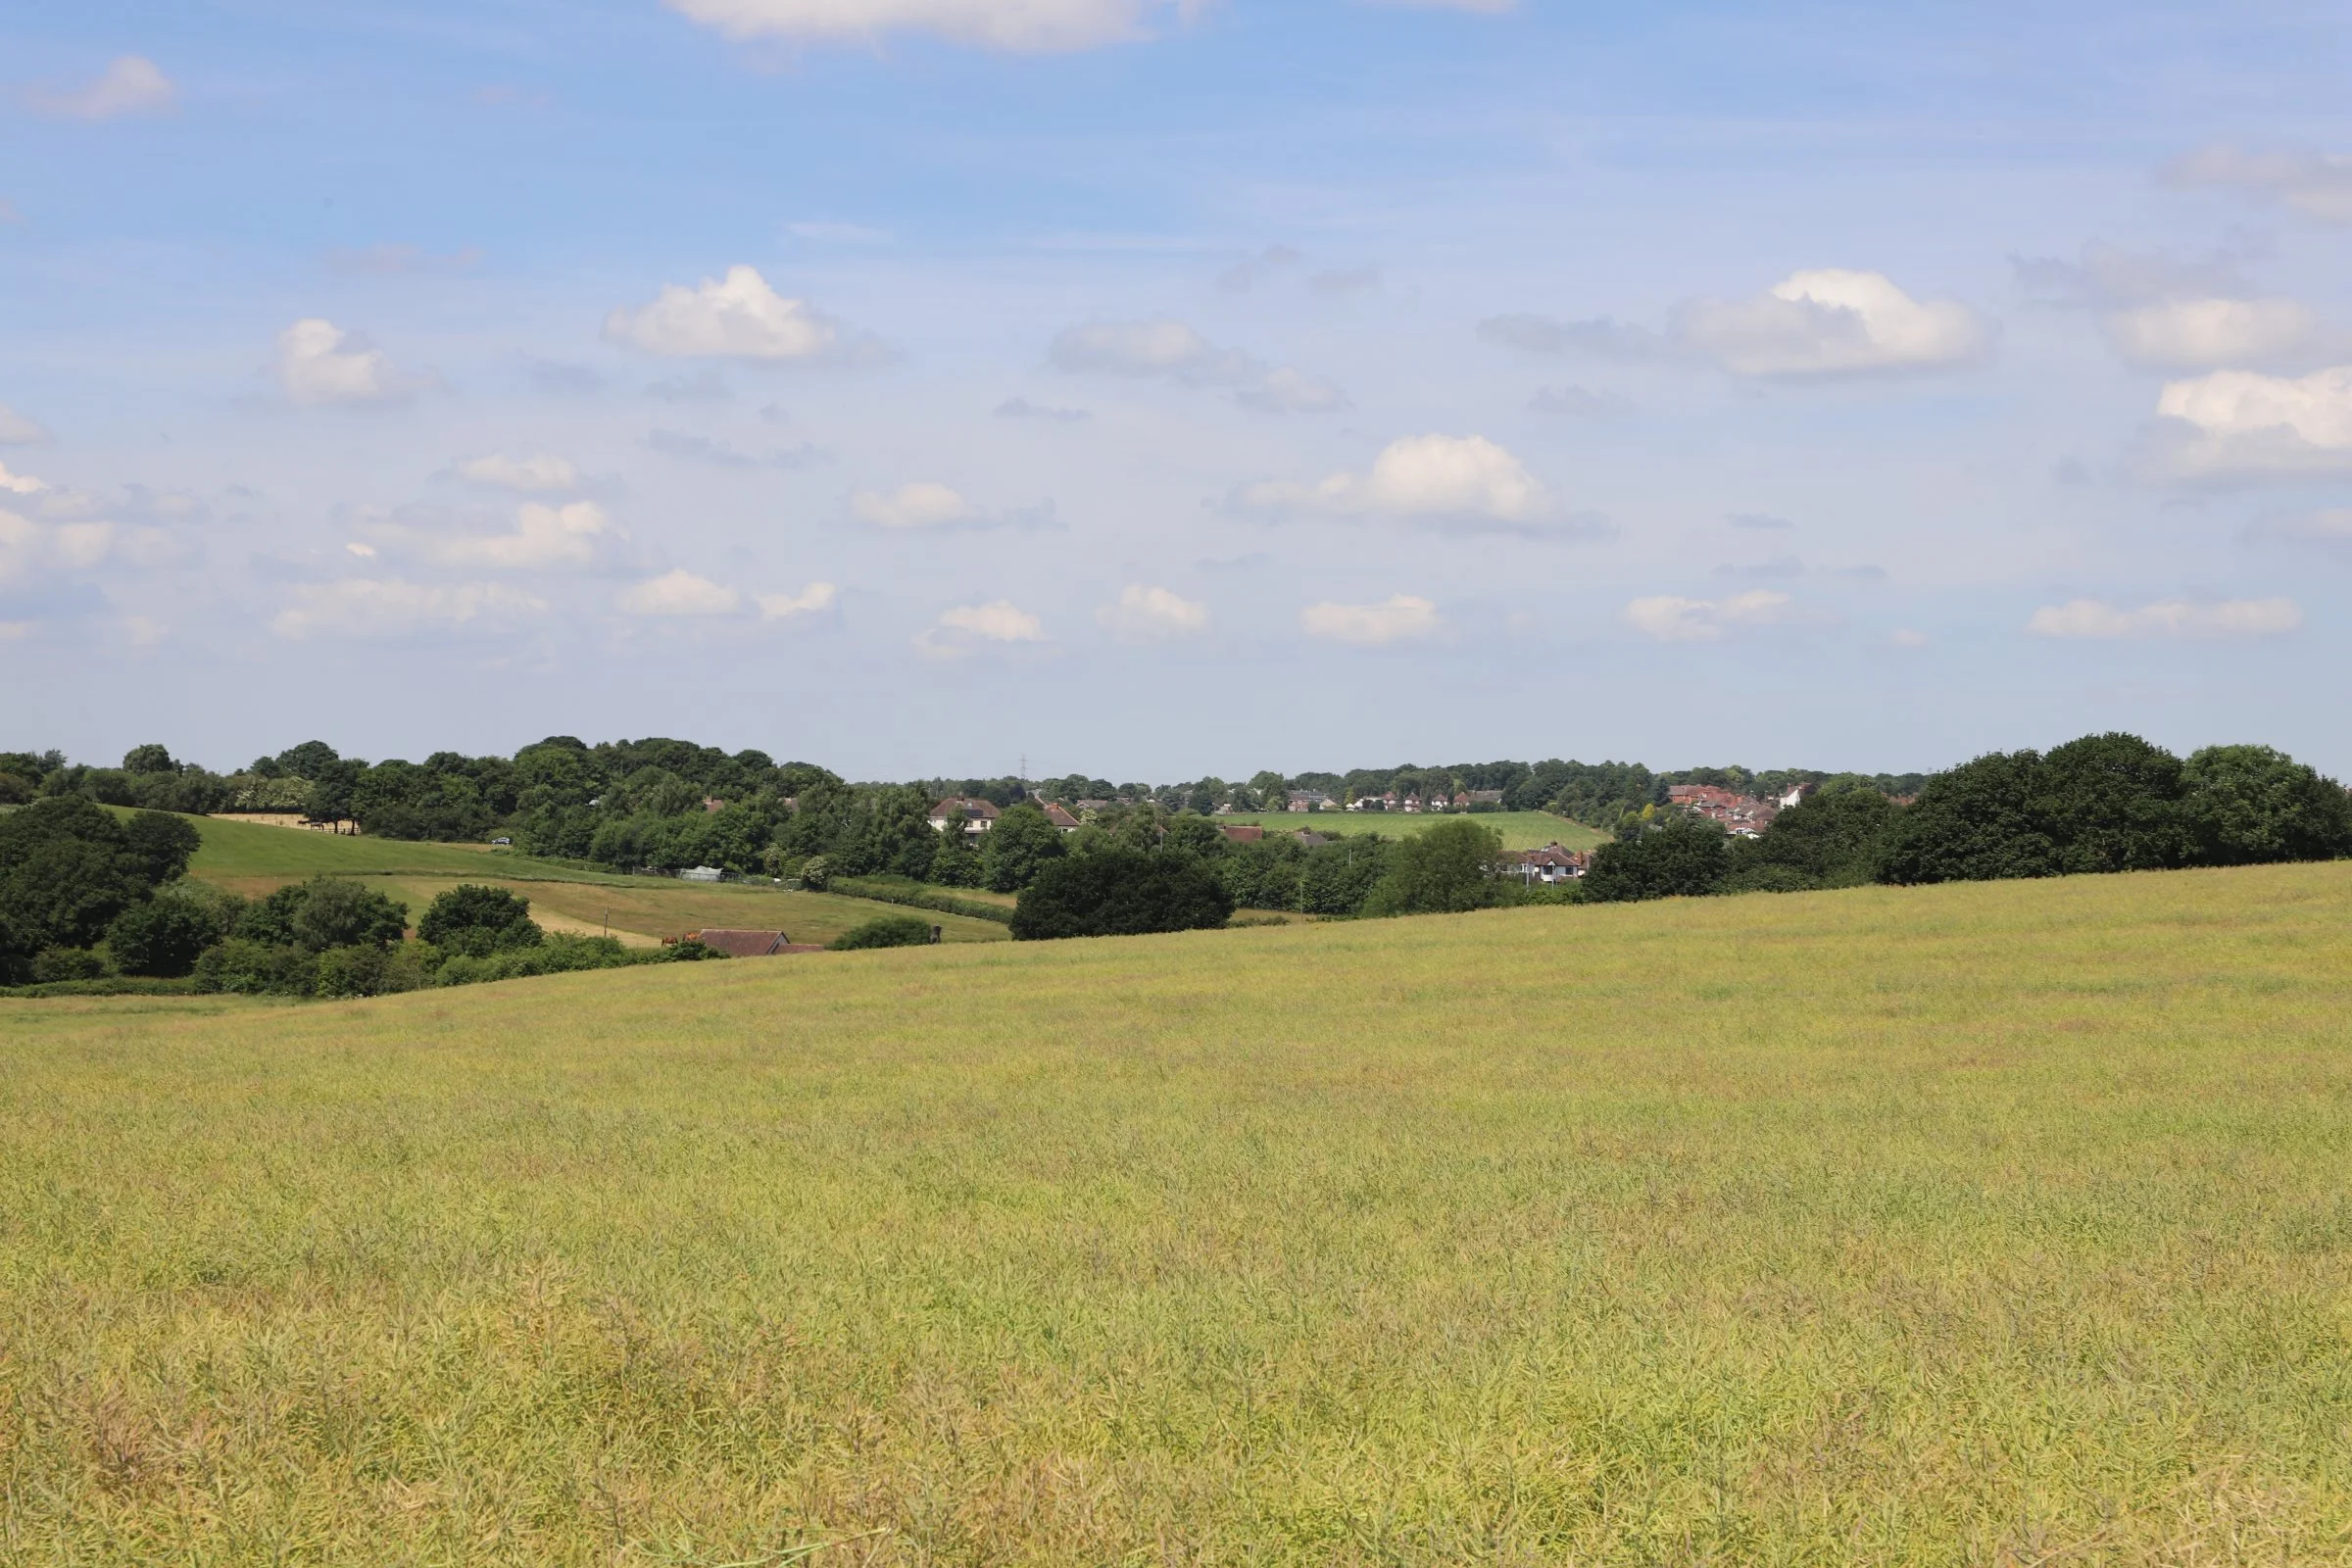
x=1986 y=1223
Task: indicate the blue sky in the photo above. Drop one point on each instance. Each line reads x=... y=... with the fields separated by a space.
x=920 y=386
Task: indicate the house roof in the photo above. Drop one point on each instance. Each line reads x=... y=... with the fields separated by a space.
x=1059 y=817
x=1244 y=832
x=1311 y=839
x=973 y=808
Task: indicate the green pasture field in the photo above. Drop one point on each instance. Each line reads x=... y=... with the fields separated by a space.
x=251 y=858
x=1981 y=1224
x=1520 y=831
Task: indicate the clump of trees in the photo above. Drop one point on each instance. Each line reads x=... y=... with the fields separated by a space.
x=1117 y=891
x=71 y=874
x=2103 y=803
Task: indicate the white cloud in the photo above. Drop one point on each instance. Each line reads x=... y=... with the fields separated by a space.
x=2329 y=525
x=2168 y=617
x=16 y=430
x=809 y=599
x=318 y=369
x=20 y=484
x=966 y=627
x=544 y=536
x=1152 y=614
x=1832 y=322
x=2314 y=184
x=2195 y=333
x=1402 y=617
x=680 y=593
x=738 y=317
x=1170 y=350
x=917 y=505
x=1022 y=27
x=130 y=85
x=1673 y=619
x=1421 y=476
x=538 y=473
x=375 y=607
x=2245 y=422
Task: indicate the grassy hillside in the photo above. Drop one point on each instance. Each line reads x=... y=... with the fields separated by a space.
x=1520 y=831
x=1978 y=1224
x=252 y=860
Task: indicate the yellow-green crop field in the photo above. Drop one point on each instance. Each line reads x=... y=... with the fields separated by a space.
x=1520 y=831
x=2002 y=1223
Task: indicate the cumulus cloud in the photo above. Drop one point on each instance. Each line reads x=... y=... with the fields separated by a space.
x=544 y=536
x=131 y=85
x=2168 y=617
x=1170 y=350
x=1832 y=322
x=318 y=369
x=377 y=606
x=2243 y=422
x=968 y=628
x=2195 y=333
x=1450 y=481
x=1019 y=27
x=909 y=507
x=2315 y=183
x=16 y=430
x=1673 y=619
x=1399 y=618
x=1145 y=615
x=808 y=600
x=738 y=317
x=20 y=484
x=680 y=593
x=535 y=474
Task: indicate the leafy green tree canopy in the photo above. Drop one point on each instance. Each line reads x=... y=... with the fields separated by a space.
x=2246 y=805
x=1447 y=868
x=1120 y=892
x=163 y=936
x=1683 y=857
x=1020 y=845
x=478 y=922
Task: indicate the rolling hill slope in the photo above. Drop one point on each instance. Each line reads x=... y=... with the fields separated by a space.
x=1991 y=1223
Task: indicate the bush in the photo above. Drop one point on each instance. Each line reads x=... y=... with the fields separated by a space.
x=690 y=950
x=1685 y=856
x=816 y=873
x=885 y=931
x=325 y=913
x=1768 y=878
x=1120 y=892
x=478 y=922
x=53 y=964
x=243 y=967
x=163 y=937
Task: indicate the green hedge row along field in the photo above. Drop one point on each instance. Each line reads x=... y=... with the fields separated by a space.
x=1973 y=1224
x=1520 y=831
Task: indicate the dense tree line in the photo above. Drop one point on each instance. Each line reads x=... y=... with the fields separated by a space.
x=2103 y=803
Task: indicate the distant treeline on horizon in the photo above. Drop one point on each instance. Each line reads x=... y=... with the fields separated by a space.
x=454 y=797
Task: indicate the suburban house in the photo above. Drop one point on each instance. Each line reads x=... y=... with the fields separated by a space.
x=1742 y=815
x=1308 y=800
x=978 y=815
x=1463 y=799
x=737 y=944
x=1550 y=863
x=1060 y=818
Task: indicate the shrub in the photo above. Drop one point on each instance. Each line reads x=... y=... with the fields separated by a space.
x=246 y=967
x=478 y=922
x=1120 y=892
x=816 y=873
x=1684 y=856
x=325 y=913
x=691 y=950
x=53 y=964
x=885 y=931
